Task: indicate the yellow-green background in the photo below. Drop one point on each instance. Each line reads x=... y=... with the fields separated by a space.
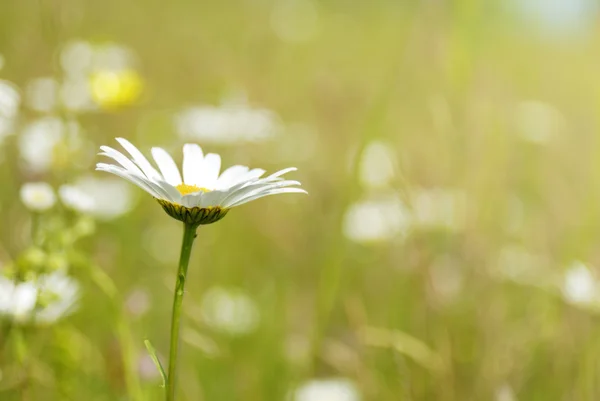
x=374 y=70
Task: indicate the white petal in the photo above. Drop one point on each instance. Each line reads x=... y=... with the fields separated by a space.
x=211 y=165
x=192 y=200
x=230 y=175
x=253 y=174
x=268 y=193
x=158 y=189
x=143 y=183
x=173 y=194
x=252 y=190
x=121 y=159
x=167 y=166
x=280 y=173
x=192 y=163
x=139 y=159
x=213 y=198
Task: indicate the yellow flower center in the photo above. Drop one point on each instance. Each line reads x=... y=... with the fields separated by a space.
x=185 y=189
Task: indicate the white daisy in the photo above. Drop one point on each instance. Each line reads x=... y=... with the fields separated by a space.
x=334 y=389
x=38 y=196
x=43 y=300
x=202 y=196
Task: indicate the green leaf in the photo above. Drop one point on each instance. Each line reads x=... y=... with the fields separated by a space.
x=152 y=352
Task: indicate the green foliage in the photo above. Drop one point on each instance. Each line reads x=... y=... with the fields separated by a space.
x=462 y=305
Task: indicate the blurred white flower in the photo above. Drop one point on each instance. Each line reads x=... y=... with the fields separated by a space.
x=76 y=199
x=103 y=198
x=516 y=263
x=580 y=287
x=17 y=300
x=505 y=393
x=377 y=165
x=230 y=311
x=295 y=20
x=439 y=208
x=376 y=219
x=43 y=300
x=335 y=389
x=230 y=123
x=76 y=58
x=38 y=196
x=75 y=95
x=10 y=100
x=37 y=143
x=41 y=94
x=112 y=57
x=538 y=122
x=559 y=17
x=58 y=295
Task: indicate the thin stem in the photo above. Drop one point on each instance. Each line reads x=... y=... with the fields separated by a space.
x=189 y=233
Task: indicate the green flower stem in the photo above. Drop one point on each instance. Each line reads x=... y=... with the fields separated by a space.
x=189 y=234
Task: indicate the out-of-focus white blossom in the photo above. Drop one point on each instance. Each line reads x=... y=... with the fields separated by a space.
x=103 y=198
x=229 y=311
x=376 y=219
x=334 y=389
x=76 y=58
x=232 y=122
x=41 y=94
x=112 y=57
x=37 y=143
x=505 y=393
x=558 y=18
x=58 y=295
x=10 y=100
x=377 y=165
x=98 y=76
x=38 y=196
x=76 y=199
x=517 y=264
x=580 y=286
x=17 y=301
x=538 y=122
x=75 y=95
x=295 y=20
x=44 y=300
x=439 y=208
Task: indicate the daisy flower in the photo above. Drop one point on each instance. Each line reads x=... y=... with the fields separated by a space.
x=202 y=195
x=45 y=299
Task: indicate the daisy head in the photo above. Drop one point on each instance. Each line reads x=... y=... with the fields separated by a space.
x=202 y=194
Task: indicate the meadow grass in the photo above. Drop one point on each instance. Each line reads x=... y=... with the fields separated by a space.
x=469 y=100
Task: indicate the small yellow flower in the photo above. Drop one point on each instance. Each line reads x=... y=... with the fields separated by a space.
x=112 y=89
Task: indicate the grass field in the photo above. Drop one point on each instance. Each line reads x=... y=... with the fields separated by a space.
x=447 y=249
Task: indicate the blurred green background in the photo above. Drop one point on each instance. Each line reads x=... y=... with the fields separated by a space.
x=448 y=247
